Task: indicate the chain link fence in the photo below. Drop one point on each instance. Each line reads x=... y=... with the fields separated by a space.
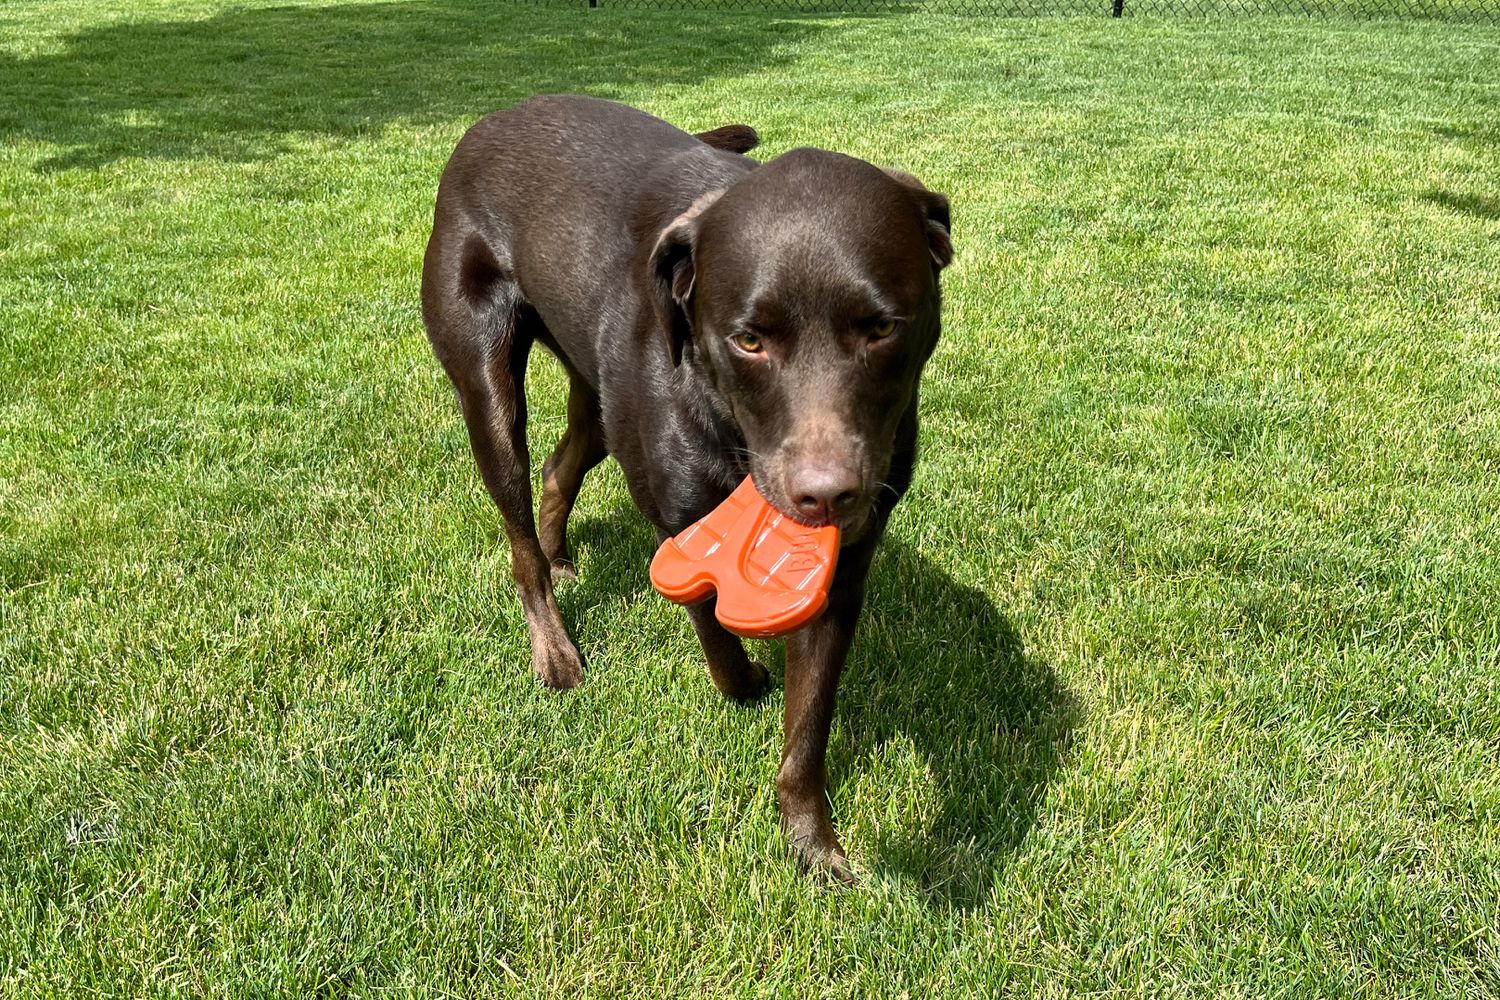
x=1476 y=11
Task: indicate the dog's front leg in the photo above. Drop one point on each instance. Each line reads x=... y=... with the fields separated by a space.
x=814 y=659
x=737 y=677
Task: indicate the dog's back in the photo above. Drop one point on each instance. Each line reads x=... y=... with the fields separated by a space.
x=522 y=197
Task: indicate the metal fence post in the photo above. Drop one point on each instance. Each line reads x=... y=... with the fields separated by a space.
x=1118 y=9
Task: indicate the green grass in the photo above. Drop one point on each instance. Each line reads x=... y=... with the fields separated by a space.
x=1179 y=675
x=1478 y=11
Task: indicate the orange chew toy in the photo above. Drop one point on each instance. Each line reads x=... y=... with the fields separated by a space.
x=771 y=573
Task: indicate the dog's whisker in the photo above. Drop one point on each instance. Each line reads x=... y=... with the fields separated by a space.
x=749 y=455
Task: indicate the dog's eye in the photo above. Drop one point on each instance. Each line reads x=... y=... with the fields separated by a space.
x=882 y=328
x=750 y=343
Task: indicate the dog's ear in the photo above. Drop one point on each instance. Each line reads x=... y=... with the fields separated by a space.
x=939 y=229
x=673 y=276
x=939 y=224
x=674 y=273
x=732 y=138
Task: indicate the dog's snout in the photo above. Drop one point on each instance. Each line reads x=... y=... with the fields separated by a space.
x=821 y=491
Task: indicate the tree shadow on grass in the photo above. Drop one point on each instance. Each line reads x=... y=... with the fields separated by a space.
x=936 y=668
x=235 y=86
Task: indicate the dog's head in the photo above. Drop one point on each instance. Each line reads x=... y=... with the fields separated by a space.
x=808 y=293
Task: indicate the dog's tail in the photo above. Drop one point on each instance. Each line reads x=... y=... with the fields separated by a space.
x=733 y=138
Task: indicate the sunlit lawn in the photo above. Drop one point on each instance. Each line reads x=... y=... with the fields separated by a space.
x=1179 y=674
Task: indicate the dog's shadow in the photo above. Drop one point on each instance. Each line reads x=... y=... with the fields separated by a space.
x=940 y=676
x=938 y=694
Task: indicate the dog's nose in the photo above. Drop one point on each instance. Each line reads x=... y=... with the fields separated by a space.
x=822 y=492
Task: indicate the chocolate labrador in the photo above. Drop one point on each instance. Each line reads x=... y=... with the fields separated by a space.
x=717 y=317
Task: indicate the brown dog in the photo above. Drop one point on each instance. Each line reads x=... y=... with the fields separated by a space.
x=717 y=318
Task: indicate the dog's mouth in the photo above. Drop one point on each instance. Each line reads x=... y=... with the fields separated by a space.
x=851 y=521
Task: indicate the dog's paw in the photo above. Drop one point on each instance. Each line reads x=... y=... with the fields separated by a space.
x=743 y=684
x=563 y=570
x=757 y=681
x=557 y=667
x=834 y=867
x=823 y=858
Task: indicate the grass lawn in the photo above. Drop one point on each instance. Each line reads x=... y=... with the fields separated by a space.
x=1180 y=670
